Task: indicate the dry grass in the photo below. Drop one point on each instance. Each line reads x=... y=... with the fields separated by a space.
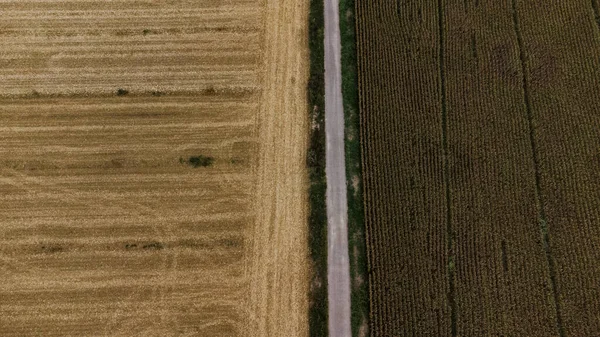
x=105 y=228
x=279 y=272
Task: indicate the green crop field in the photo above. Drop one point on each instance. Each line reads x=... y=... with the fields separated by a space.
x=480 y=133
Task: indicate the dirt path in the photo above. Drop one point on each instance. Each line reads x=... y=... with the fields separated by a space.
x=278 y=269
x=338 y=270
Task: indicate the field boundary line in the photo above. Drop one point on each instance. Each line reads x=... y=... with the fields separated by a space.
x=538 y=194
x=449 y=229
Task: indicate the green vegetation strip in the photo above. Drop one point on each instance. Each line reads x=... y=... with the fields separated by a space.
x=316 y=166
x=356 y=223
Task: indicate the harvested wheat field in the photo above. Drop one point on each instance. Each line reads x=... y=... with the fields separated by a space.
x=152 y=168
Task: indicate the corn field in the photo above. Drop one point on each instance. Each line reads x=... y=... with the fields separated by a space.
x=480 y=139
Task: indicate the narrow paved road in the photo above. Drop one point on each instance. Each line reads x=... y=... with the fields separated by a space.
x=338 y=266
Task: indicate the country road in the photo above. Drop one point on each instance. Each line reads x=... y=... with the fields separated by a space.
x=338 y=266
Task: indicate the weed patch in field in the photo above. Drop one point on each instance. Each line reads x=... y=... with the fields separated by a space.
x=153 y=245
x=122 y=92
x=199 y=161
x=52 y=248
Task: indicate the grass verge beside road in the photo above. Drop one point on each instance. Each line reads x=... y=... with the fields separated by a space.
x=356 y=224
x=318 y=316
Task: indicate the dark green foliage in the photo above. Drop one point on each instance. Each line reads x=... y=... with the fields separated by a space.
x=201 y=161
x=52 y=248
x=122 y=92
x=356 y=224
x=210 y=91
x=153 y=245
x=316 y=165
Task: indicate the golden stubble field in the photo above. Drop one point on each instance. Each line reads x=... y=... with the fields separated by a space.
x=105 y=228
